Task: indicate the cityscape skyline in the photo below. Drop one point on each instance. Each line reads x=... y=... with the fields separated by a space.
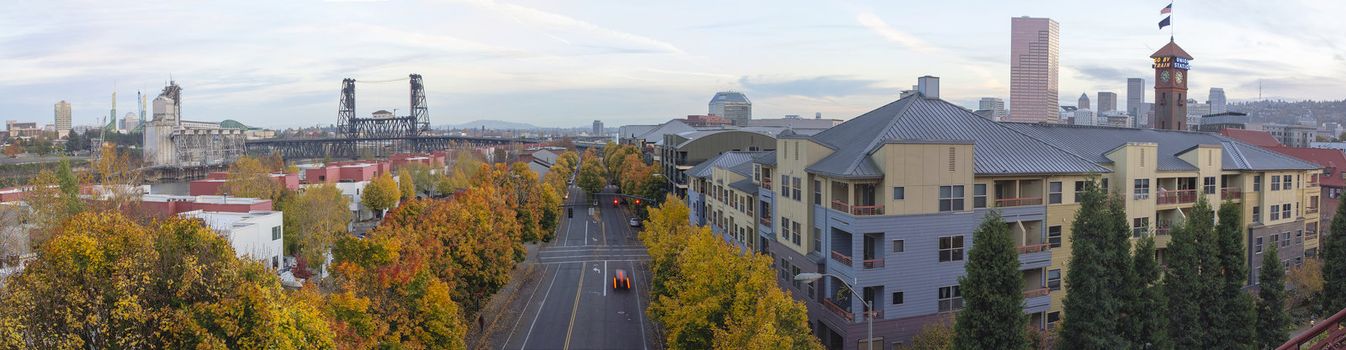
x=278 y=63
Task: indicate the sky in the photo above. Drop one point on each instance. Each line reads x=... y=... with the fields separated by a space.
x=561 y=63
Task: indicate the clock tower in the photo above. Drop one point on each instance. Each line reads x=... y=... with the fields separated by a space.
x=1170 y=87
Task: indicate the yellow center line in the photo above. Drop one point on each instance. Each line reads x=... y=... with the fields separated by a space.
x=576 y=307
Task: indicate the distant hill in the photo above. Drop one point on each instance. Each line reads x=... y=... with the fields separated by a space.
x=493 y=125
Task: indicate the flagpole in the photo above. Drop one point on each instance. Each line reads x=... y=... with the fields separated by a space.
x=1170 y=20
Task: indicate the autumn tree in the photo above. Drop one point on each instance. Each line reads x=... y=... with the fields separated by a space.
x=250 y=177
x=992 y=315
x=314 y=220
x=935 y=335
x=1272 y=321
x=405 y=185
x=107 y=282
x=590 y=177
x=119 y=180
x=387 y=296
x=1304 y=283
x=380 y=194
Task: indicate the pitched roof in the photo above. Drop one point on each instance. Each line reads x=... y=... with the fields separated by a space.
x=1171 y=50
x=1333 y=160
x=1253 y=137
x=726 y=160
x=1094 y=142
x=999 y=149
x=766 y=158
x=744 y=185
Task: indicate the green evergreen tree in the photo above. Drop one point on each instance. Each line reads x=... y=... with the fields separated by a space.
x=1145 y=324
x=1091 y=304
x=1232 y=318
x=992 y=315
x=1184 y=284
x=1272 y=321
x=1334 y=263
x=69 y=186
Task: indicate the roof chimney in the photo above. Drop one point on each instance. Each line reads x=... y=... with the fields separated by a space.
x=928 y=86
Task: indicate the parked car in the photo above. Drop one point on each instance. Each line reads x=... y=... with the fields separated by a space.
x=620 y=280
x=634 y=222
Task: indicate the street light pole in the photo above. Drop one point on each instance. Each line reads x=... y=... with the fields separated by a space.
x=869 y=315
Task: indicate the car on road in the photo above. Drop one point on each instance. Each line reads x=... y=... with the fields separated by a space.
x=634 y=222
x=620 y=279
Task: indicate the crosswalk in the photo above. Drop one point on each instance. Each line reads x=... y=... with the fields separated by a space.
x=574 y=254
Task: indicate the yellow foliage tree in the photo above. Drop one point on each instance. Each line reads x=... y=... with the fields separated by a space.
x=381 y=193
x=405 y=185
x=249 y=177
x=314 y=220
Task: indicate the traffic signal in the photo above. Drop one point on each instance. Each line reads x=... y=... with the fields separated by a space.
x=614 y=202
x=637 y=201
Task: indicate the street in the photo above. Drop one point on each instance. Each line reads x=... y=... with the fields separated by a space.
x=574 y=305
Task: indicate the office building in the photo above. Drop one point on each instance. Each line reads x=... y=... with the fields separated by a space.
x=1217 y=101
x=1083 y=102
x=889 y=201
x=995 y=105
x=1171 y=63
x=731 y=105
x=1135 y=97
x=598 y=128
x=62 y=118
x=1034 y=63
x=1107 y=102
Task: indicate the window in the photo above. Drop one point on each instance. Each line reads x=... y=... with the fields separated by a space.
x=951 y=198
x=1140 y=227
x=1209 y=185
x=1054 y=192
x=1054 y=236
x=275 y=233
x=899 y=245
x=817 y=240
x=795 y=228
x=1257 y=245
x=1276 y=183
x=1054 y=279
x=794 y=192
x=1285 y=239
x=951 y=248
x=1079 y=190
x=1299 y=236
x=1285 y=211
x=899 y=193
x=1257 y=214
x=1257 y=183
x=1275 y=214
x=1142 y=188
x=785 y=186
x=1053 y=318
x=794 y=271
x=1289 y=182
x=979 y=196
x=812 y=289
x=817 y=192
x=950 y=299
x=1105 y=185
x=898 y=298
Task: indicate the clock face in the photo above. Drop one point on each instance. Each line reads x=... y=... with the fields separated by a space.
x=1163 y=76
x=1177 y=76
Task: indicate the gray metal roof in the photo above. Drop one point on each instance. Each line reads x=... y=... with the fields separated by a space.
x=1094 y=142
x=999 y=149
x=729 y=96
x=744 y=185
x=726 y=160
x=766 y=158
x=656 y=135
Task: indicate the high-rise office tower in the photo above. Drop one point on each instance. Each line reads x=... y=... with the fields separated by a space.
x=995 y=105
x=1083 y=102
x=1034 y=62
x=598 y=127
x=1107 y=101
x=1135 y=97
x=731 y=105
x=1171 y=63
x=62 y=118
x=1217 y=101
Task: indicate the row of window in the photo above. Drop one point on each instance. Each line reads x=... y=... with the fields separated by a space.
x=1283 y=213
x=1283 y=238
x=789 y=230
x=790 y=186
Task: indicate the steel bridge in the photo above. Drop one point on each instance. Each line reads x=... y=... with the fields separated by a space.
x=365 y=147
x=379 y=136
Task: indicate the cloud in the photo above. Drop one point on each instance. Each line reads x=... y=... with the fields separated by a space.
x=555 y=21
x=1110 y=74
x=874 y=23
x=815 y=87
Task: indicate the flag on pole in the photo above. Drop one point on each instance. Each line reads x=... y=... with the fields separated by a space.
x=1165 y=22
x=1167 y=9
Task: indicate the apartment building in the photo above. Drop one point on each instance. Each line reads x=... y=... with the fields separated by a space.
x=888 y=202
x=722 y=194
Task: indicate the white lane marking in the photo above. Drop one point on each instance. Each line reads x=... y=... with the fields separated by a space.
x=540 y=305
x=586 y=232
x=605 y=275
x=640 y=310
x=515 y=328
x=589 y=261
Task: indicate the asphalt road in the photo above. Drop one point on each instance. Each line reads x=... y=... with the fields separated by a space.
x=574 y=305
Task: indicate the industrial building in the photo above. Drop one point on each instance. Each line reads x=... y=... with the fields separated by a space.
x=170 y=141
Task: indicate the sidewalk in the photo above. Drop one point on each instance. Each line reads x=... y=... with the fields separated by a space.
x=504 y=308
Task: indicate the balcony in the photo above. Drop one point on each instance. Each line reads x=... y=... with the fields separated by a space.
x=857 y=209
x=1034 y=248
x=840 y=311
x=1033 y=293
x=1017 y=202
x=841 y=258
x=1162 y=230
x=1037 y=300
x=873 y=263
x=1176 y=197
x=766 y=183
x=765 y=221
x=1230 y=194
x=1310 y=210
